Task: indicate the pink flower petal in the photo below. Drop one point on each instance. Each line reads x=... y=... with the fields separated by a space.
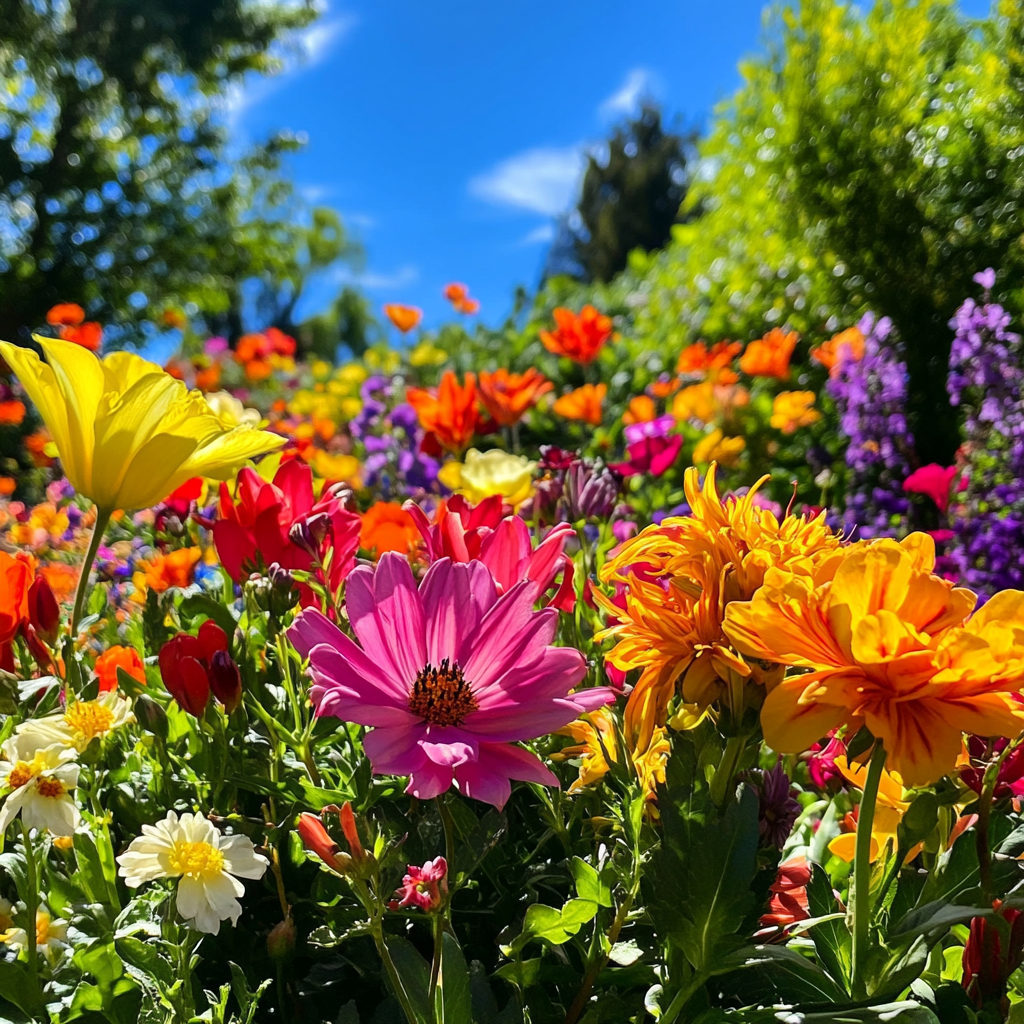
x=310 y=628
x=512 y=722
x=395 y=751
x=448 y=752
x=487 y=779
x=455 y=597
x=429 y=781
x=520 y=655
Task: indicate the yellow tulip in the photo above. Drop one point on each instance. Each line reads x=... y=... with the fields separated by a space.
x=491 y=472
x=128 y=433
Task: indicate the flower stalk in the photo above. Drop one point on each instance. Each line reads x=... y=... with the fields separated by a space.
x=861 y=903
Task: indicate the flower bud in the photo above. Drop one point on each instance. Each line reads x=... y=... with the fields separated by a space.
x=225 y=680
x=590 y=490
x=348 y=826
x=183 y=673
x=315 y=839
x=151 y=716
x=309 y=533
x=43 y=610
x=281 y=940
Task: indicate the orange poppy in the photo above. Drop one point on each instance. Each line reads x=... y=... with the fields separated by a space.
x=89 y=335
x=15 y=579
x=117 y=657
x=387 y=527
x=208 y=377
x=257 y=370
x=770 y=355
x=174 y=569
x=65 y=314
x=12 y=413
x=714 y=363
x=450 y=413
x=508 y=396
x=62 y=578
x=456 y=293
x=641 y=409
x=405 y=318
x=831 y=352
x=468 y=306
x=250 y=347
x=578 y=337
x=583 y=404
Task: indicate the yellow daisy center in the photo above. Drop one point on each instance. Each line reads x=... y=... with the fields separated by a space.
x=196 y=860
x=24 y=772
x=89 y=718
x=441 y=695
x=50 y=787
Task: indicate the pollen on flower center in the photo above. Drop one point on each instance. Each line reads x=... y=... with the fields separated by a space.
x=196 y=860
x=89 y=718
x=22 y=773
x=50 y=787
x=441 y=695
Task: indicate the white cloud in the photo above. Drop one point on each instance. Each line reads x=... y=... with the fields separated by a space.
x=539 y=235
x=638 y=83
x=375 y=281
x=543 y=180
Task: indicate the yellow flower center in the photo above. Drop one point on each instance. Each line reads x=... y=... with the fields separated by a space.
x=24 y=772
x=88 y=718
x=53 y=788
x=441 y=695
x=42 y=928
x=196 y=860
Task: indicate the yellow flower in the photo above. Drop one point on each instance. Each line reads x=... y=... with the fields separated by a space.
x=128 y=433
x=889 y=810
x=425 y=354
x=491 y=472
x=230 y=411
x=890 y=645
x=382 y=359
x=595 y=743
x=336 y=467
x=697 y=401
x=793 y=409
x=714 y=447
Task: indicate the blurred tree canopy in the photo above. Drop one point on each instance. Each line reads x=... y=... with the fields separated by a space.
x=869 y=161
x=117 y=188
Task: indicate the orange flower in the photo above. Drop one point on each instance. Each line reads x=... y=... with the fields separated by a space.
x=250 y=347
x=450 y=413
x=769 y=357
x=641 y=409
x=208 y=377
x=65 y=314
x=698 y=401
x=405 y=318
x=848 y=344
x=583 y=404
x=508 y=396
x=12 y=413
x=62 y=578
x=456 y=293
x=117 y=657
x=8 y=485
x=171 y=570
x=664 y=387
x=697 y=359
x=89 y=335
x=36 y=444
x=257 y=370
x=468 y=306
x=579 y=337
x=387 y=527
x=15 y=579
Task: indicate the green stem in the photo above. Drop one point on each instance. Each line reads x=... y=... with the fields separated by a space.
x=435 y=967
x=31 y=907
x=102 y=519
x=396 y=980
x=683 y=996
x=720 y=788
x=862 y=872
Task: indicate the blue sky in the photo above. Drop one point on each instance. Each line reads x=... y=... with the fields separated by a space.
x=449 y=133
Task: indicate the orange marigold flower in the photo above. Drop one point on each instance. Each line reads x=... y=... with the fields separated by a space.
x=666 y=387
x=387 y=527
x=848 y=344
x=770 y=356
x=641 y=409
x=257 y=370
x=117 y=657
x=698 y=359
x=450 y=413
x=579 y=337
x=65 y=314
x=250 y=347
x=174 y=569
x=698 y=401
x=509 y=396
x=793 y=409
x=89 y=335
x=584 y=404
x=405 y=318
x=12 y=413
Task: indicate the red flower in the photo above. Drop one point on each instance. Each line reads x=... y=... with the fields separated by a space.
x=117 y=657
x=282 y=522
x=15 y=579
x=43 y=610
x=193 y=666
x=423 y=887
x=652 y=455
x=789 y=895
x=450 y=413
x=986 y=966
x=316 y=838
x=580 y=337
x=934 y=481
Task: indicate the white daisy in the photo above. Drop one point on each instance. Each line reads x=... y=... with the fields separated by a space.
x=81 y=721
x=207 y=862
x=51 y=934
x=39 y=780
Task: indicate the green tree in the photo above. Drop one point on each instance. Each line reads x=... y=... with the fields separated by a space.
x=115 y=188
x=631 y=198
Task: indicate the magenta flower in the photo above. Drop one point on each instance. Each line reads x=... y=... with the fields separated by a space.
x=450 y=676
x=934 y=481
x=423 y=887
x=652 y=455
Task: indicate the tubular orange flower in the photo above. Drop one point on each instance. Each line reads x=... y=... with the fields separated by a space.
x=890 y=645
x=578 y=337
x=405 y=318
x=681 y=577
x=698 y=360
x=769 y=357
x=450 y=414
x=583 y=404
x=794 y=409
x=848 y=344
x=387 y=527
x=508 y=396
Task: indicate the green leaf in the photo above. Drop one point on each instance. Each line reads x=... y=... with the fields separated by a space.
x=589 y=885
x=18 y=987
x=147 y=959
x=555 y=926
x=832 y=941
x=453 y=996
x=202 y=606
x=776 y=974
x=414 y=973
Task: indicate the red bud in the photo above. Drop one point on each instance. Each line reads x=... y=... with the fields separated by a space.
x=183 y=673
x=211 y=639
x=315 y=838
x=348 y=826
x=43 y=610
x=225 y=680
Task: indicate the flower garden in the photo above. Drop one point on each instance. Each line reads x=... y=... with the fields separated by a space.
x=566 y=688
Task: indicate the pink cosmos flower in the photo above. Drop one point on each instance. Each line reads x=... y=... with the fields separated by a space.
x=450 y=676
x=504 y=544
x=423 y=887
x=934 y=481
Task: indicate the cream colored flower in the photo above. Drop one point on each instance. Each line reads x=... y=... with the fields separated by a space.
x=230 y=411
x=492 y=472
x=39 y=781
x=191 y=849
x=51 y=934
x=81 y=722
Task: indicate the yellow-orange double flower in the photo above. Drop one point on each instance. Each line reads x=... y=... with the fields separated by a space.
x=889 y=645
